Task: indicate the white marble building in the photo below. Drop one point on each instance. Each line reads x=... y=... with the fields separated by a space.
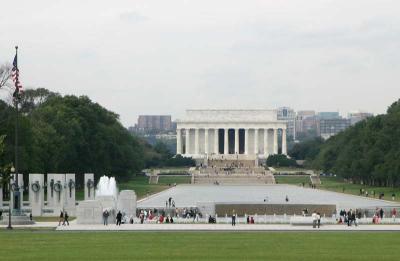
x=247 y=133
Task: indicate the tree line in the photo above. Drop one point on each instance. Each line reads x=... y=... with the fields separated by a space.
x=368 y=152
x=69 y=134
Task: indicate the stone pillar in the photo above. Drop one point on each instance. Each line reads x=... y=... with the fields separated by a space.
x=69 y=194
x=58 y=199
x=275 y=141
x=206 y=141
x=226 y=141
x=187 y=143
x=256 y=141
x=178 y=141
x=127 y=203
x=36 y=194
x=89 y=186
x=236 y=141
x=196 y=141
x=21 y=189
x=246 y=141
x=216 y=147
x=266 y=142
x=284 y=145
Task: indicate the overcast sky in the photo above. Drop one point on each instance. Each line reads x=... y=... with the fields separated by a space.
x=162 y=57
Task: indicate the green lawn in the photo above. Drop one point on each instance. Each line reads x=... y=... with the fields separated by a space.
x=175 y=179
x=337 y=184
x=140 y=184
x=295 y=180
x=337 y=246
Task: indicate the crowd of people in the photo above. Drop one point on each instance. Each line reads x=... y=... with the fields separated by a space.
x=349 y=217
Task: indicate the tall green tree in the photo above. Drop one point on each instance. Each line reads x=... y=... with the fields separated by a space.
x=367 y=152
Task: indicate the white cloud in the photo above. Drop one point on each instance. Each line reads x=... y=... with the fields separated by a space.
x=154 y=56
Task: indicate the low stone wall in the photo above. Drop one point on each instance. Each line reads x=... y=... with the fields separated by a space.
x=221 y=209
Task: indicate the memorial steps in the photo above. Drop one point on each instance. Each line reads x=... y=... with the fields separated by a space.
x=232 y=175
x=221 y=179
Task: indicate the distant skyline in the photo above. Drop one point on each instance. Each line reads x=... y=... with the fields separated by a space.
x=163 y=57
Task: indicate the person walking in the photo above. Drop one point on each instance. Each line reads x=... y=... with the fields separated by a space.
x=105 y=217
x=233 y=218
x=318 y=219
x=314 y=219
x=381 y=213
x=119 y=218
x=66 y=219
x=61 y=219
x=394 y=213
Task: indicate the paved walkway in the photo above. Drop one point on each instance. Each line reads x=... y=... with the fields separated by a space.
x=206 y=227
x=224 y=227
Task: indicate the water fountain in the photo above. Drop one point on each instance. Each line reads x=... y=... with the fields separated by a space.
x=106 y=198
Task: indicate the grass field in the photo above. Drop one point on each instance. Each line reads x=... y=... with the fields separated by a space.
x=140 y=184
x=337 y=184
x=50 y=245
x=294 y=180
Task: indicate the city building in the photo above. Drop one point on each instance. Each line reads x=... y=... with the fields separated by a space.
x=330 y=127
x=148 y=123
x=356 y=116
x=289 y=115
x=306 y=124
x=327 y=115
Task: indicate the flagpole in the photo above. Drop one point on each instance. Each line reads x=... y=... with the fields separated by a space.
x=17 y=201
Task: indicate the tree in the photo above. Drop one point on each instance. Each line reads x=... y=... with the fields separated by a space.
x=307 y=149
x=366 y=152
x=33 y=98
x=5 y=74
x=279 y=160
x=5 y=171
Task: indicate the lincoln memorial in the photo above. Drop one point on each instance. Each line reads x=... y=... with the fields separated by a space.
x=244 y=134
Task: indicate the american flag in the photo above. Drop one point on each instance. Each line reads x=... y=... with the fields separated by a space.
x=15 y=77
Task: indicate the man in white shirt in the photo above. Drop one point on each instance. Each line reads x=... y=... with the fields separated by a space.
x=314 y=219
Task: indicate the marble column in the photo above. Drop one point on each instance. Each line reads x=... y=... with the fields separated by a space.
x=196 y=141
x=275 y=141
x=256 y=141
x=216 y=149
x=226 y=141
x=206 y=141
x=284 y=145
x=187 y=143
x=236 y=141
x=178 y=141
x=246 y=141
x=265 y=142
